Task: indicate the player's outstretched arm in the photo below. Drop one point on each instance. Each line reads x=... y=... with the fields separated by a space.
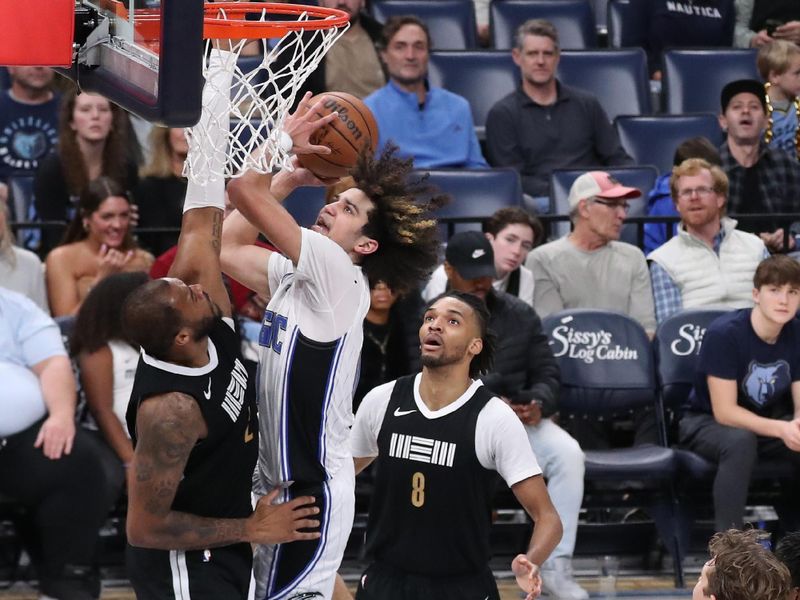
x=532 y=494
x=168 y=427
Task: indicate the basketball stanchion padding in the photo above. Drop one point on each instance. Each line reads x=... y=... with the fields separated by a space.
x=260 y=97
x=37 y=33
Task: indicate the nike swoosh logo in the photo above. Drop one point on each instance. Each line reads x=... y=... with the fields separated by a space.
x=207 y=393
x=402 y=413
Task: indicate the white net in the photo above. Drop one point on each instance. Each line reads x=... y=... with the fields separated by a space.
x=258 y=99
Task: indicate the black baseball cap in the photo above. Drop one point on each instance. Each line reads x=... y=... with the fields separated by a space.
x=740 y=86
x=471 y=254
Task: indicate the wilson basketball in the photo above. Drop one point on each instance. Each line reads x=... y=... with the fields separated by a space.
x=345 y=136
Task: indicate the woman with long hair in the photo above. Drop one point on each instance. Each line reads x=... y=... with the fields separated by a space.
x=92 y=141
x=162 y=188
x=97 y=243
x=107 y=360
x=20 y=269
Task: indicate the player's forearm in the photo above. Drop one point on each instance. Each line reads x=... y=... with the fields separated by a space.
x=546 y=535
x=182 y=531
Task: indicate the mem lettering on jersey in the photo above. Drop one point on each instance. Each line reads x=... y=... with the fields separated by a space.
x=234 y=395
x=422 y=449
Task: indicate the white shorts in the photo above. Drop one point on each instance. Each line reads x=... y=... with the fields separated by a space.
x=297 y=569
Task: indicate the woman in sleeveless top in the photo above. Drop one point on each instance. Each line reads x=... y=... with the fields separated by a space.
x=97 y=243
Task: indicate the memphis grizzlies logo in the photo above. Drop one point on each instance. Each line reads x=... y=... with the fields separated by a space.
x=764 y=382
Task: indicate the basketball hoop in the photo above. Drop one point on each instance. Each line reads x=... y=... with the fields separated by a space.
x=261 y=96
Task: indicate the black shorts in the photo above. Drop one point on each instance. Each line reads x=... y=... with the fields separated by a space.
x=192 y=574
x=381 y=582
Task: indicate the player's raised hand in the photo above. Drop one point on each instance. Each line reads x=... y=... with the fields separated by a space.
x=303 y=122
x=281 y=523
x=528 y=576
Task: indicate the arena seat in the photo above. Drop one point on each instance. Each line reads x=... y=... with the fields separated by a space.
x=475 y=194
x=642 y=177
x=677 y=345
x=618 y=78
x=304 y=204
x=625 y=21
x=481 y=76
x=451 y=22
x=573 y=19
x=607 y=373
x=694 y=78
x=652 y=140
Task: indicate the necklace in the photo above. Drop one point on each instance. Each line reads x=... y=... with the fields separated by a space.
x=769 y=134
x=380 y=343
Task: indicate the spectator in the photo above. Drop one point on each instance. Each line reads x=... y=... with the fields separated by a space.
x=429 y=124
x=45 y=463
x=525 y=375
x=98 y=242
x=659 y=200
x=763 y=180
x=162 y=187
x=513 y=232
x=590 y=267
x=741 y=569
x=384 y=353
x=710 y=262
x=779 y=65
x=353 y=64
x=544 y=124
x=92 y=141
x=743 y=405
x=107 y=362
x=758 y=22
x=788 y=552
x=20 y=270
x=680 y=24
x=28 y=121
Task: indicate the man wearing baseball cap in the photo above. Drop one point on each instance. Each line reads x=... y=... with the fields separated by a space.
x=525 y=375
x=763 y=180
x=590 y=267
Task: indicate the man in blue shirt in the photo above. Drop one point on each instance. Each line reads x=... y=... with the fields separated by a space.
x=430 y=125
x=745 y=403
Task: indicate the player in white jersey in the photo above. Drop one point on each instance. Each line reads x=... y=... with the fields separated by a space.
x=311 y=337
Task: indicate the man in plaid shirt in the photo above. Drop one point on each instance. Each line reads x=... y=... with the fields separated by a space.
x=763 y=180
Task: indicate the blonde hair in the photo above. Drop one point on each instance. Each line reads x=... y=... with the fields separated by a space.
x=6 y=236
x=693 y=166
x=776 y=56
x=160 y=163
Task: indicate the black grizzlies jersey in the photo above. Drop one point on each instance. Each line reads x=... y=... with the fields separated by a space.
x=218 y=476
x=430 y=513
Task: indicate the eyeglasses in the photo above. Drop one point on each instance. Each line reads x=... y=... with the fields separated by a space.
x=613 y=205
x=700 y=191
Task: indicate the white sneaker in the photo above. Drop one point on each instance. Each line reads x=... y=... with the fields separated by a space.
x=558 y=581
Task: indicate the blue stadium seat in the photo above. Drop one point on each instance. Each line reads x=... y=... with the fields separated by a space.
x=694 y=78
x=652 y=140
x=304 y=204
x=482 y=76
x=600 y=10
x=475 y=194
x=677 y=345
x=573 y=19
x=641 y=177
x=451 y=22
x=618 y=78
x=607 y=372
x=625 y=21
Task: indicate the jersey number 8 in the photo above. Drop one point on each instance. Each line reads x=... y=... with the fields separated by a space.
x=418 y=489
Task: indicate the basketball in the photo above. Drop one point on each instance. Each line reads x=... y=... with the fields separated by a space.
x=346 y=136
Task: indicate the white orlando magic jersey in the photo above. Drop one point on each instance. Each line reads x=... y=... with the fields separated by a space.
x=310 y=348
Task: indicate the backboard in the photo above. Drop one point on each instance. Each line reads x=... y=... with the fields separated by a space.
x=145 y=55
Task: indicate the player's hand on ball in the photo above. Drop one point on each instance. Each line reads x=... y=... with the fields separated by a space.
x=280 y=523
x=528 y=576
x=303 y=122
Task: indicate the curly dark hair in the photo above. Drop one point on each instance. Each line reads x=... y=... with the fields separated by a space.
x=99 y=319
x=402 y=221
x=788 y=552
x=149 y=320
x=115 y=153
x=481 y=363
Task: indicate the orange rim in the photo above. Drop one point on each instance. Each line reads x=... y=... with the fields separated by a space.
x=232 y=23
